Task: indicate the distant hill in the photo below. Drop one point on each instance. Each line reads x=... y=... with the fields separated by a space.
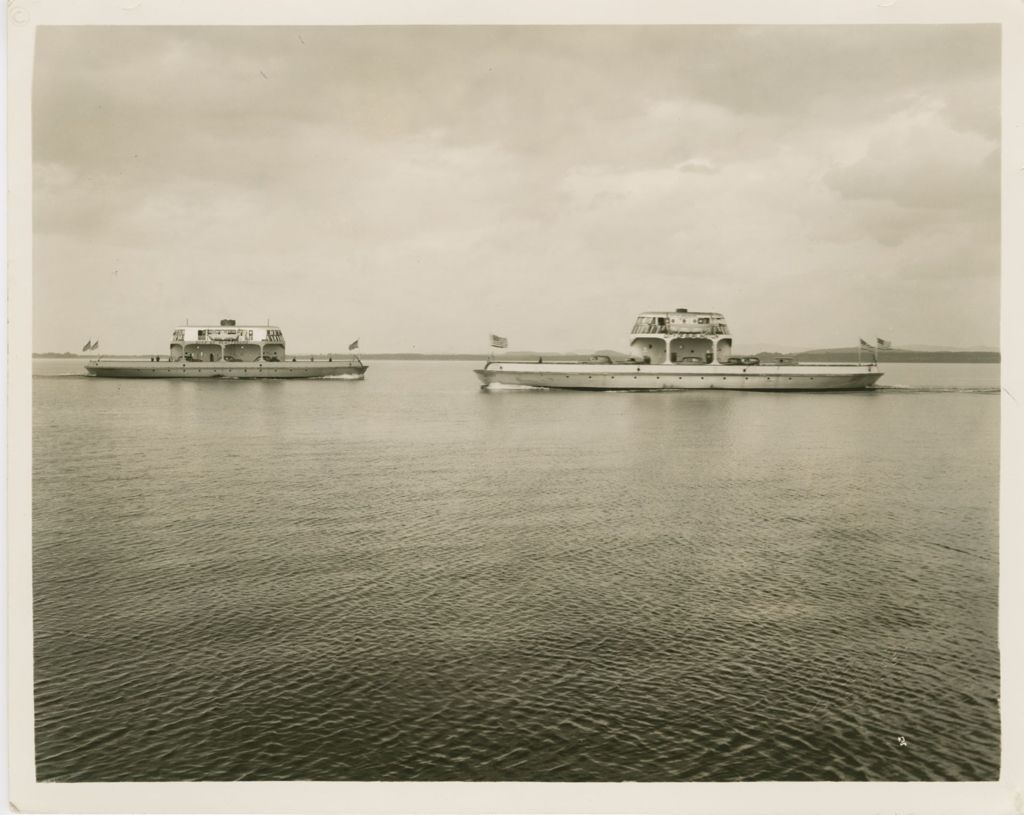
x=894 y=355
x=511 y=356
x=411 y=357
x=913 y=354
x=981 y=348
x=815 y=355
x=69 y=355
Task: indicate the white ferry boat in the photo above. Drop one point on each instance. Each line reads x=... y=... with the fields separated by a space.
x=682 y=350
x=227 y=351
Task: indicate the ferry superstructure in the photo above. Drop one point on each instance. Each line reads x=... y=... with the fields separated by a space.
x=682 y=350
x=228 y=351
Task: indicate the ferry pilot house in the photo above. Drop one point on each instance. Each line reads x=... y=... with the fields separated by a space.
x=681 y=336
x=227 y=343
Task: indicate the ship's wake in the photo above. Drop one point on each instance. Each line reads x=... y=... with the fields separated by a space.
x=933 y=389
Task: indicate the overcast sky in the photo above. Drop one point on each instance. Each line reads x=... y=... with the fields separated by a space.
x=420 y=188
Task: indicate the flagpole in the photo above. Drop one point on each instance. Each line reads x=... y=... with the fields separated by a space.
x=881 y=345
x=496 y=342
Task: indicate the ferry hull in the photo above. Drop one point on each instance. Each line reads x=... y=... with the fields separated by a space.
x=139 y=369
x=631 y=377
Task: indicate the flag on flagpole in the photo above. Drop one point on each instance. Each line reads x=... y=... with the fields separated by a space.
x=498 y=342
x=883 y=344
x=866 y=346
x=352 y=346
x=94 y=346
x=87 y=346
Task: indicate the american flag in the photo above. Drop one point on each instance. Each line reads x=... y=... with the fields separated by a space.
x=352 y=346
x=866 y=346
x=498 y=342
x=883 y=344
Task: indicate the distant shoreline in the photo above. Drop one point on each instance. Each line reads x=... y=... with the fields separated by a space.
x=830 y=355
x=892 y=356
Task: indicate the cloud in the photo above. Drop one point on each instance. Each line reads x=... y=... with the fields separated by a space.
x=513 y=174
x=915 y=162
x=697 y=165
x=918 y=175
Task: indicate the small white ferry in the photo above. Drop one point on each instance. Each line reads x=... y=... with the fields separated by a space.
x=228 y=351
x=682 y=350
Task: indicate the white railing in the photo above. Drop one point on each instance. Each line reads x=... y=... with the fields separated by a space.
x=696 y=331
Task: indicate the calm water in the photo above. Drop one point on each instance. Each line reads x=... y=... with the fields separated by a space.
x=407 y=578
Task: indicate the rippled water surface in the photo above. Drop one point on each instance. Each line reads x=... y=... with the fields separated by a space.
x=407 y=578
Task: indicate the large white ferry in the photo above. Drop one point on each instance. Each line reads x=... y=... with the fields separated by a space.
x=229 y=351
x=682 y=350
